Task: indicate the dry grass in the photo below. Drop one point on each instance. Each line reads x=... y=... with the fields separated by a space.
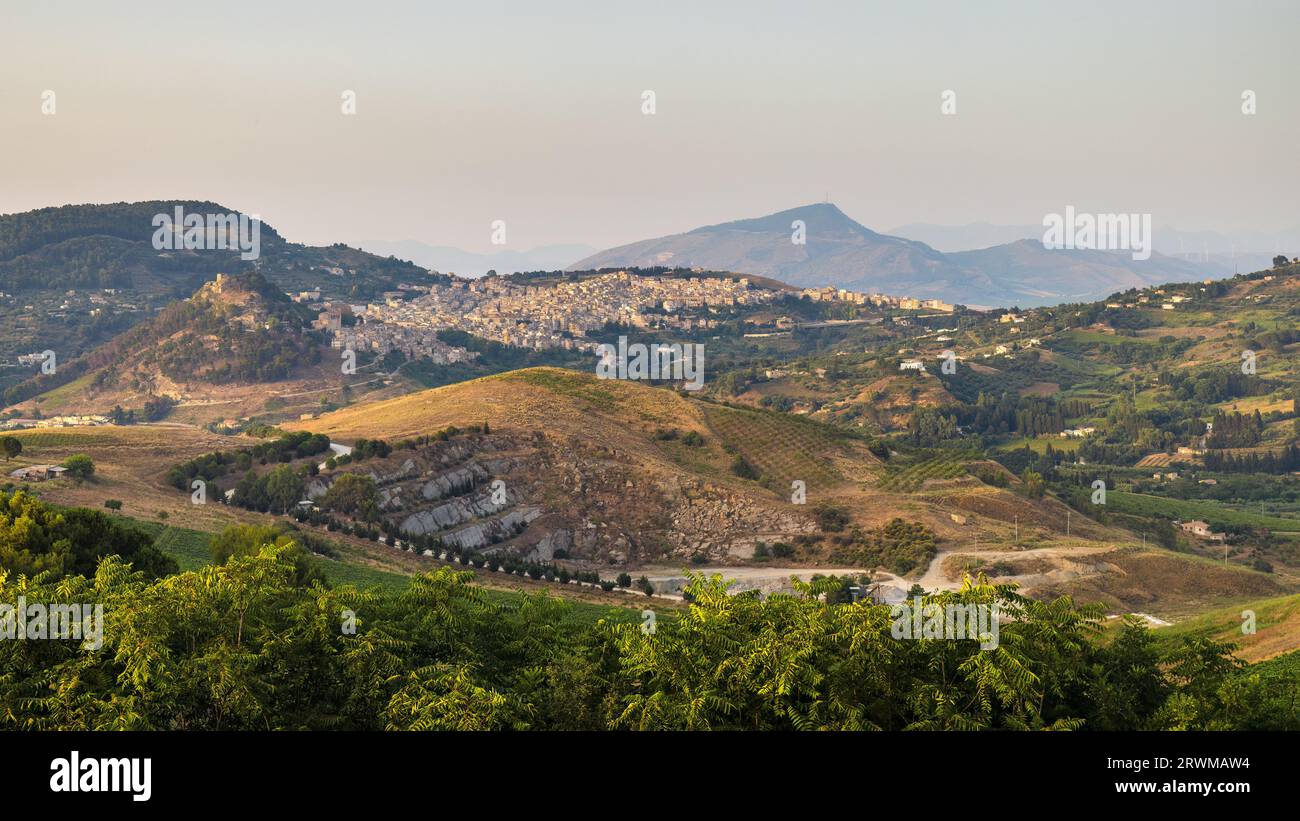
x=1170 y=585
x=129 y=465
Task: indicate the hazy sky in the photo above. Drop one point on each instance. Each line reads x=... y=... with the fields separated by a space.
x=470 y=112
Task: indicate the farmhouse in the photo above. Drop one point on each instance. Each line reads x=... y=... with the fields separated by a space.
x=1201 y=530
x=38 y=473
x=1077 y=433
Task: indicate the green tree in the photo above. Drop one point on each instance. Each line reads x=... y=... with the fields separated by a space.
x=284 y=488
x=352 y=494
x=13 y=446
x=1034 y=485
x=79 y=466
x=36 y=537
x=250 y=540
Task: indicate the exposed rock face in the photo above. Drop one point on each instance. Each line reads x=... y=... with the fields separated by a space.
x=484 y=533
x=533 y=497
x=446 y=484
x=718 y=523
x=456 y=511
x=317 y=486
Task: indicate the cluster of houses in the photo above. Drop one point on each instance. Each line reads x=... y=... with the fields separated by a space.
x=1156 y=295
x=70 y=421
x=905 y=303
x=1077 y=433
x=559 y=315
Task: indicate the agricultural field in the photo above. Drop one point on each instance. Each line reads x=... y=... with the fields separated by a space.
x=1081 y=337
x=1186 y=510
x=912 y=477
x=188 y=547
x=1038 y=444
x=129 y=465
x=36 y=439
x=54 y=401
x=783 y=448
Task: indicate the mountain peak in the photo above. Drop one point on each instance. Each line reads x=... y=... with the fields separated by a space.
x=819 y=217
x=838 y=251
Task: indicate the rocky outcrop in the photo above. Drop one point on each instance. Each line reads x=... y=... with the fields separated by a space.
x=454 y=482
x=482 y=534
x=457 y=511
x=580 y=498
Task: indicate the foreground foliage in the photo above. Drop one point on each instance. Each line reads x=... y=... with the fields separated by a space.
x=252 y=644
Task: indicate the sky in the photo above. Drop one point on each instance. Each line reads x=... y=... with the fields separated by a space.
x=532 y=113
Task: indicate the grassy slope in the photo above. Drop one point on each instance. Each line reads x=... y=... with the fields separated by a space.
x=1186 y=510
x=190 y=549
x=1277 y=627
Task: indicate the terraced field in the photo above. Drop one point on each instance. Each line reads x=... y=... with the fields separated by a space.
x=910 y=478
x=783 y=448
x=1156 y=460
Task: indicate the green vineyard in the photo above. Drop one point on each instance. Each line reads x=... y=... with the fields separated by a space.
x=910 y=478
x=60 y=439
x=781 y=447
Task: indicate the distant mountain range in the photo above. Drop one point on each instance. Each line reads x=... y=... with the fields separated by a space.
x=1167 y=239
x=1243 y=252
x=843 y=253
x=449 y=260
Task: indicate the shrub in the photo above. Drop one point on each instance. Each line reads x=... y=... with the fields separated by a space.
x=831 y=518
x=79 y=466
x=742 y=468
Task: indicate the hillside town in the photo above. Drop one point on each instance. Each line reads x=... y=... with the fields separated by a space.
x=556 y=315
x=531 y=316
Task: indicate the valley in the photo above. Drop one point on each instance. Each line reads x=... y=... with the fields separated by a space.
x=1135 y=457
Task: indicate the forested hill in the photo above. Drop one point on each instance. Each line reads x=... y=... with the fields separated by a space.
x=234 y=329
x=29 y=231
x=110 y=246
x=74 y=277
